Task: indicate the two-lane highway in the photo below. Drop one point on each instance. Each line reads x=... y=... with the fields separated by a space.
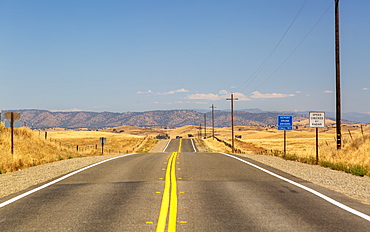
x=214 y=192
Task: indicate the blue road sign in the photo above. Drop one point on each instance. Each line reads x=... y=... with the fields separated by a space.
x=285 y=122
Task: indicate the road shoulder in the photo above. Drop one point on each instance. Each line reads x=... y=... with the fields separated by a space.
x=159 y=147
x=353 y=186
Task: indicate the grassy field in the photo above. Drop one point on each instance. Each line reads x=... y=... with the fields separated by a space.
x=34 y=147
x=354 y=157
x=89 y=141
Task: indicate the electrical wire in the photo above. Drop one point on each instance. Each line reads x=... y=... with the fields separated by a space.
x=263 y=64
x=272 y=52
x=299 y=44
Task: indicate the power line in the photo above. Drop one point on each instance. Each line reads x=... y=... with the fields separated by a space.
x=285 y=60
x=263 y=64
x=259 y=69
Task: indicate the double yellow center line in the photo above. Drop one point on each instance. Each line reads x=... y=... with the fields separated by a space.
x=169 y=198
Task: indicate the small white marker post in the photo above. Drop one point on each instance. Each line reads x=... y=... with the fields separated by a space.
x=317 y=120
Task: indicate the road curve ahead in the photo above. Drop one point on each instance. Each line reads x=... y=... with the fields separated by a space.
x=192 y=191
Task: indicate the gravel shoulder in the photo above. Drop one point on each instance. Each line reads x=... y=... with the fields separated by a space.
x=159 y=147
x=16 y=181
x=350 y=185
x=353 y=186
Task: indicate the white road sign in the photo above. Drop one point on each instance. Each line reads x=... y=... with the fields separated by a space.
x=317 y=119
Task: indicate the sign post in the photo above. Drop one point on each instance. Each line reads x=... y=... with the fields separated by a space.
x=102 y=141
x=317 y=120
x=12 y=116
x=285 y=123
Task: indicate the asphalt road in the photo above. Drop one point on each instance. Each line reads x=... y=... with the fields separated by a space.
x=215 y=192
x=187 y=145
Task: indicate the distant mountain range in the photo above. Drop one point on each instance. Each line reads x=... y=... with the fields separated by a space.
x=165 y=118
x=353 y=116
x=347 y=117
x=350 y=117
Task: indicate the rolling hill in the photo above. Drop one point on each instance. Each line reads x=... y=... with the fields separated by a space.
x=168 y=118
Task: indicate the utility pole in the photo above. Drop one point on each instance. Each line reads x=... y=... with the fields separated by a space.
x=200 y=130
x=205 y=126
x=213 y=121
x=337 y=69
x=232 y=99
x=12 y=133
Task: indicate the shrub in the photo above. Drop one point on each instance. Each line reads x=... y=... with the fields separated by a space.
x=311 y=160
x=325 y=164
x=358 y=170
x=293 y=157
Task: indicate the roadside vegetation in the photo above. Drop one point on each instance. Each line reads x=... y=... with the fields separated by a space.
x=354 y=157
x=34 y=147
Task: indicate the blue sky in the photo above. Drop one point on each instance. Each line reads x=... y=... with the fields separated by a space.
x=141 y=55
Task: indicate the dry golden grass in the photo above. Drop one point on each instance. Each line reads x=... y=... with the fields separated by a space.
x=180 y=131
x=355 y=150
x=90 y=140
x=212 y=145
x=31 y=148
x=301 y=144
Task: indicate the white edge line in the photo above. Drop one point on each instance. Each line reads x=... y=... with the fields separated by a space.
x=330 y=200
x=169 y=141
x=192 y=142
x=57 y=180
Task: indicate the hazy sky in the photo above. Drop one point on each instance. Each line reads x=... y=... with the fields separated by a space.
x=138 y=55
